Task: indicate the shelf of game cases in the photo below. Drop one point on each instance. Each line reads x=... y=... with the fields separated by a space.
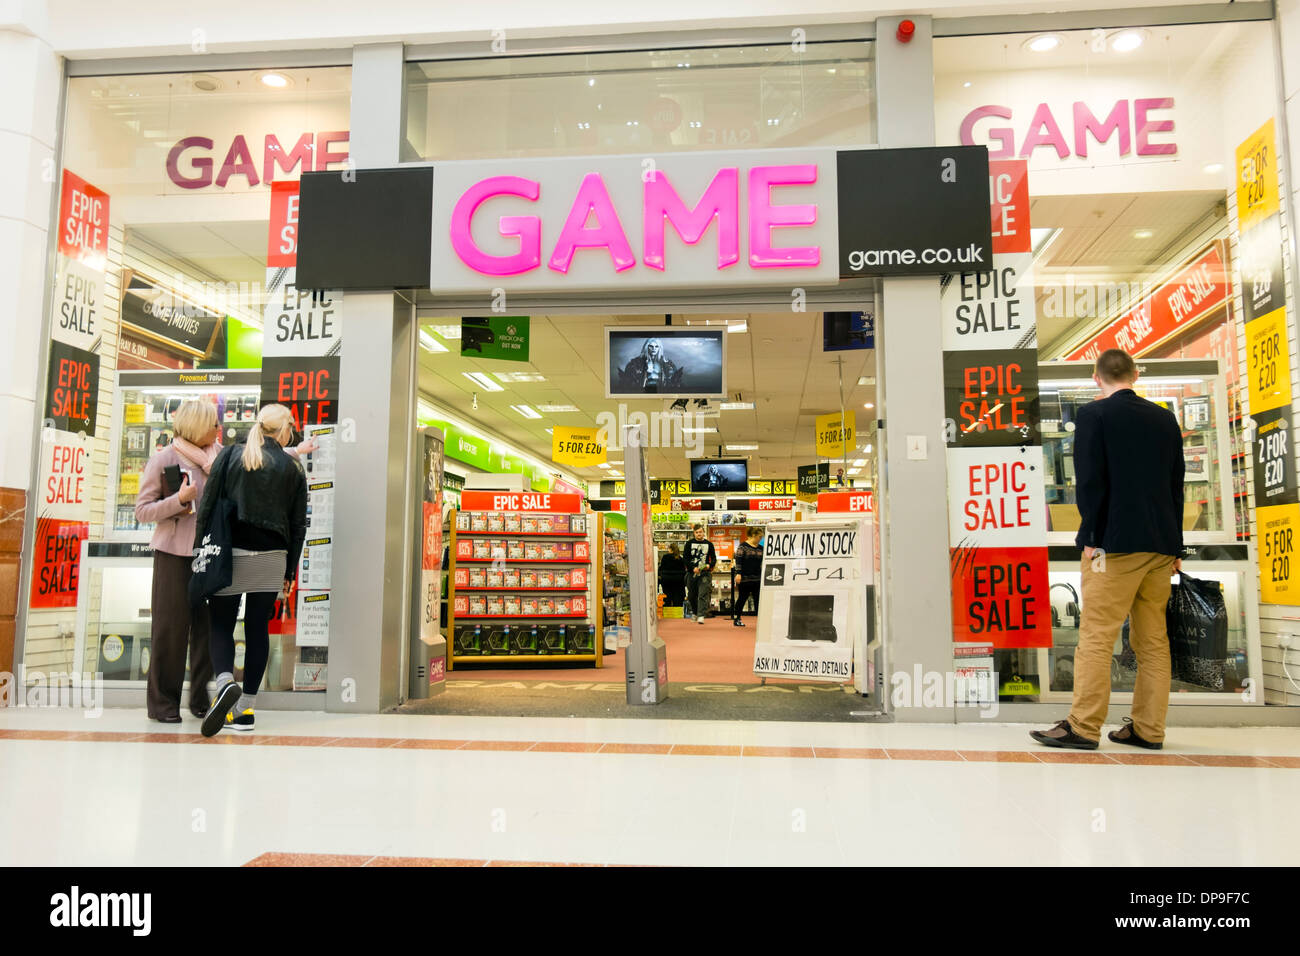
x=519 y=581
x=615 y=605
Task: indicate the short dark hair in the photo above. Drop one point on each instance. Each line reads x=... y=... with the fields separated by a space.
x=697 y=527
x=753 y=532
x=1115 y=366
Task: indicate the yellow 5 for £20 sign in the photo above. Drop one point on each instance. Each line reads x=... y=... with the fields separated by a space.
x=836 y=438
x=1257 y=177
x=579 y=447
x=1268 y=360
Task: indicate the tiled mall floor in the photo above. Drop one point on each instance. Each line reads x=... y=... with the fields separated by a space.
x=119 y=790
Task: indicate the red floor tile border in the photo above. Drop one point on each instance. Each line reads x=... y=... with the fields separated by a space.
x=1044 y=755
x=997 y=756
x=420 y=861
x=308 y=859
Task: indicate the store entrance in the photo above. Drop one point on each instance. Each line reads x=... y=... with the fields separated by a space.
x=536 y=603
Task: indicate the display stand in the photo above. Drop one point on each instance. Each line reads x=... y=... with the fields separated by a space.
x=519 y=581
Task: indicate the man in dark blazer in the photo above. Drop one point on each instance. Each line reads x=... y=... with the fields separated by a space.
x=1128 y=465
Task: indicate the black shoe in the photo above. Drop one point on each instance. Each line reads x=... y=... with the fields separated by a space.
x=199 y=712
x=738 y=622
x=1062 y=736
x=1127 y=735
x=216 y=716
x=169 y=719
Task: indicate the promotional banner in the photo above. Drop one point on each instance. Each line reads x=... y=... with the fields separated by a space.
x=313 y=618
x=502 y=337
x=836 y=435
x=1273 y=459
x=997 y=511
x=1279 y=566
x=1263 y=282
x=430 y=577
x=815 y=576
x=1000 y=597
x=163 y=315
x=64 y=489
x=1268 y=362
x=282 y=237
x=579 y=447
x=56 y=562
x=991 y=397
x=299 y=322
x=83 y=221
x=72 y=392
x=77 y=306
x=812 y=479
x=1257 y=193
x=307 y=385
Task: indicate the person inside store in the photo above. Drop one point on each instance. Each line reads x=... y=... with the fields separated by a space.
x=173 y=480
x=268 y=491
x=747 y=573
x=1128 y=463
x=672 y=576
x=700 y=562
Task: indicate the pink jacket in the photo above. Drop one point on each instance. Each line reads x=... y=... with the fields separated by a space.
x=173 y=522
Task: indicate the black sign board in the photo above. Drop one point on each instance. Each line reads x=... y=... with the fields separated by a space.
x=1262 y=279
x=1273 y=459
x=160 y=314
x=991 y=397
x=921 y=211
x=72 y=391
x=814 y=478
x=308 y=385
x=365 y=229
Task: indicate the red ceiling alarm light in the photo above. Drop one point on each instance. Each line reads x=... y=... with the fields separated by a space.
x=905 y=31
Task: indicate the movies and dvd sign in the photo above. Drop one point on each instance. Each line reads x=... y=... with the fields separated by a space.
x=158 y=313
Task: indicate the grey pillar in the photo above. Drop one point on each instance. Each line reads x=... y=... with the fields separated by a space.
x=918 y=613
x=373 y=524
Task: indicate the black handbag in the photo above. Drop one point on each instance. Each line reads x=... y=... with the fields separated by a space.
x=1197 y=620
x=213 y=565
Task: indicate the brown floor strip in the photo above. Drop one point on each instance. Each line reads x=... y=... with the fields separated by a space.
x=1044 y=755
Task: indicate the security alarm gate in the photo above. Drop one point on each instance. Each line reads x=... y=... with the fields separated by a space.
x=647 y=655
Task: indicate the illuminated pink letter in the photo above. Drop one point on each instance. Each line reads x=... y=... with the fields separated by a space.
x=1043 y=131
x=527 y=228
x=764 y=217
x=1145 y=127
x=721 y=200
x=1002 y=134
x=592 y=197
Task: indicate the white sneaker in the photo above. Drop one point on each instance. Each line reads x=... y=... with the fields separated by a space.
x=699 y=620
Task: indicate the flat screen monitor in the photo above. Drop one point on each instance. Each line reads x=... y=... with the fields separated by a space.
x=719 y=474
x=665 y=362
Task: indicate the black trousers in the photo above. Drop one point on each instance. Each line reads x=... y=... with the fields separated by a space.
x=743 y=591
x=176 y=629
x=258 y=608
x=674 y=591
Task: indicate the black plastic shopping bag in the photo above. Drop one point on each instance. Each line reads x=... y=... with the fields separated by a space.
x=1197 y=620
x=213 y=566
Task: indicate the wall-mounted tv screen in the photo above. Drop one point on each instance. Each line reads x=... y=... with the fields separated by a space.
x=665 y=361
x=719 y=474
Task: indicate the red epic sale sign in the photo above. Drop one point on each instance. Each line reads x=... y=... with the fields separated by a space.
x=83 y=220
x=1000 y=597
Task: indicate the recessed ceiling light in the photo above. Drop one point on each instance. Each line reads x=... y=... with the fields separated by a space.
x=526 y=410
x=866 y=380
x=206 y=83
x=867 y=449
x=1142 y=233
x=1043 y=43
x=591 y=81
x=859 y=462
x=550 y=431
x=446 y=331
x=738 y=327
x=1126 y=41
x=703 y=429
x=275 y=80
x=478 y=378
x=519 y=377
x=855 y=471
x=430 y=344
x=742 y=448
x=1213 y=168
x=605 y=465
x=735 y=406
x=966 y=85
x=551 y=409
x=868 y=405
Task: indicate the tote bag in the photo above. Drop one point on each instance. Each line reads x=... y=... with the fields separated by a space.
x=213 y=564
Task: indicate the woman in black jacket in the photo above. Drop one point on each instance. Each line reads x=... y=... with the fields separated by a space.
x=672 y=576
x=268 y=525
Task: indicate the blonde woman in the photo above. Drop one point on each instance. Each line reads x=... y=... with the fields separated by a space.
x=269 y=523
x=175 y=627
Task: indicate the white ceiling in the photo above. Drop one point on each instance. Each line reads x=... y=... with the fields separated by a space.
x=778 y=364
